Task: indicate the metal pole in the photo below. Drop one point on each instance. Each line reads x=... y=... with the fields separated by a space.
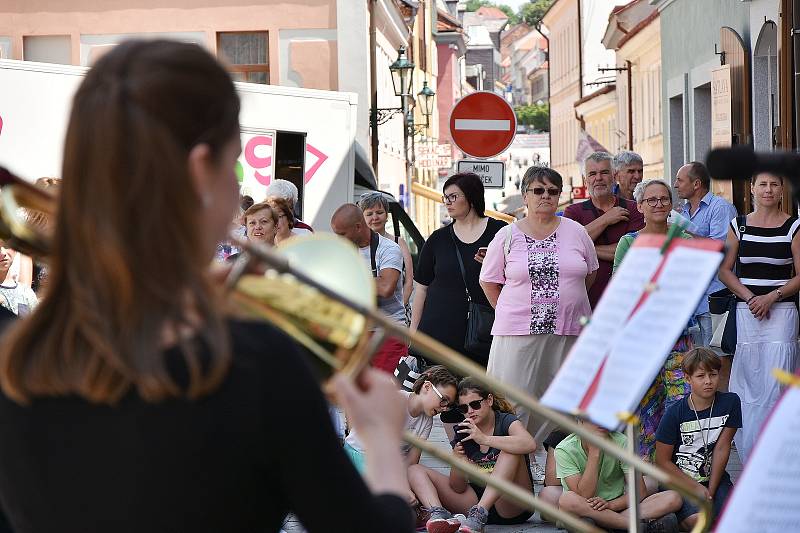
x=633 y=482
x=408 y=158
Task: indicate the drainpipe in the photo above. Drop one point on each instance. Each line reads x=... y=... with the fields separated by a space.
x=629 y=68
x=549 y=116
x=795 y=32
x=373 y=80
x=580 y=52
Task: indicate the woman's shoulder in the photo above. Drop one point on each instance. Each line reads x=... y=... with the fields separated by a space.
x=571 y=225
x=494 y=225
x=260 y=345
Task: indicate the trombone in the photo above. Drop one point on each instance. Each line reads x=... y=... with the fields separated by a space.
x=319 y=291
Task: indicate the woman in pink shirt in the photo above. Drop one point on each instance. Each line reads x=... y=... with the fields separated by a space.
x=536 y=275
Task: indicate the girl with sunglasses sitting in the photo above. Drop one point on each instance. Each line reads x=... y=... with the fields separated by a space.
x=503 y=445
x=433 y=392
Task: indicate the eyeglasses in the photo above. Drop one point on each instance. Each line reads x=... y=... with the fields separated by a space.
x=443 y=402
x=663 y=200
x=474 y=404
x=538 y=191
x=450 y=198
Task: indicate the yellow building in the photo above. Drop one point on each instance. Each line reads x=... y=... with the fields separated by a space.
x=565 y=88
x=634 y=33
x=424 y=139
x=599 y=114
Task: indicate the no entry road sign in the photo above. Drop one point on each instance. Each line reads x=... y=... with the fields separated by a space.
x=482 y=124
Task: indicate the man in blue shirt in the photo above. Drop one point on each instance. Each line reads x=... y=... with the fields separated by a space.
x=710 y=216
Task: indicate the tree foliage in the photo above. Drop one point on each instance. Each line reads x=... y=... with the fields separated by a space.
x=533 y=12
x=474 y=5
x=535 y=115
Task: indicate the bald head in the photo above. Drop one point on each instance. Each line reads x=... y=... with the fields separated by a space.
x=348 y=222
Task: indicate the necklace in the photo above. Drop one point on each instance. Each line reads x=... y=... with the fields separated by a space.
x=705 y=468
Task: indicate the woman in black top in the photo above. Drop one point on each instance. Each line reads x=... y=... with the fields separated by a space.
x=439 y=308
x=766 y=244
x=129 y=402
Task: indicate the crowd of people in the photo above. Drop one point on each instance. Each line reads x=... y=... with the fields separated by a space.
x=127 y=385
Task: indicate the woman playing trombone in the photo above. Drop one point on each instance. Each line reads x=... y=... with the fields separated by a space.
x=129 y=401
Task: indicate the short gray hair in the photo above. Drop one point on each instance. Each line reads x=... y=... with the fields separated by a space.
x=282 y=189
x=638 y=192
x=597 y=157
x=625 y=158
x=373 y=199
x=540 y=173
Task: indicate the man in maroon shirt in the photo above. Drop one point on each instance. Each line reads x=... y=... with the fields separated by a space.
x=605 y=216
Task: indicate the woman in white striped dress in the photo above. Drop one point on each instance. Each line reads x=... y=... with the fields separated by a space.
x=767 y=247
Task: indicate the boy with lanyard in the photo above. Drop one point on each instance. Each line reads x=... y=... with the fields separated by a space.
x=694 y=437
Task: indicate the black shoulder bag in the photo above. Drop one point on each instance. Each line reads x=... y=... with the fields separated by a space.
x=480 y=318
x=374 y=241
x=723 y=302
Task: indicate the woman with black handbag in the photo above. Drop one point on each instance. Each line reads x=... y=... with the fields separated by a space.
x=448 y=303
x=767 y=246
x=536 y=274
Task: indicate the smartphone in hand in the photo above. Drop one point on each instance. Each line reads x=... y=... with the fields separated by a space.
x=454 y=416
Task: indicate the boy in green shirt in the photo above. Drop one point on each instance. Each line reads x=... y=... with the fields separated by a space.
x=594 y=487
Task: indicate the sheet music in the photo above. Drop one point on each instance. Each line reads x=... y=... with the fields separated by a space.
x=618 y=301
x=641 y=348
x=765 y=498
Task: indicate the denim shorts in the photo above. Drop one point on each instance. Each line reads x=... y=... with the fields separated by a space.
x=688 y=509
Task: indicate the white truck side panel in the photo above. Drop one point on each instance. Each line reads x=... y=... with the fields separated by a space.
x=36 y=99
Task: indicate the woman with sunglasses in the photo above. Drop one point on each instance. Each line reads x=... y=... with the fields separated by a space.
x=131 y=400
x=503 y=448
x=654 y=200
x=536 y=275
x=439 y=308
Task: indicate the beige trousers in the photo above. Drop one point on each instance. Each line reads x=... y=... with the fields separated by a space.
x=529 y=362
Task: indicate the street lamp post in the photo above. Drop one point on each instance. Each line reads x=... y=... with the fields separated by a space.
x=402 y=71
x=425 y=97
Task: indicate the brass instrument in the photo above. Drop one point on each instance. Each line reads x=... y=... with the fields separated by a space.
x=320 y=291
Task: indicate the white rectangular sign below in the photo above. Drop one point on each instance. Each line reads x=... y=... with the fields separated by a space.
x=492 y=173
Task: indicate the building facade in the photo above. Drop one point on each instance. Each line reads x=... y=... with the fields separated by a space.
x=634 y=33
x=562 y=21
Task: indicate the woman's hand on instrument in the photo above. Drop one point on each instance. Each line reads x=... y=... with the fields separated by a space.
x=472 y=432
x=373 y=404
x=597 y=503
x=760 y=305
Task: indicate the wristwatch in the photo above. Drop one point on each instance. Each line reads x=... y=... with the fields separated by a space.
x=780 y=294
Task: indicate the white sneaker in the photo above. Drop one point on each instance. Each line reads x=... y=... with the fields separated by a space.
x=537 y=471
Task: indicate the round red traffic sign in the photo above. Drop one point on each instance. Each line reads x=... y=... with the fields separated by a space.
x=482 y=124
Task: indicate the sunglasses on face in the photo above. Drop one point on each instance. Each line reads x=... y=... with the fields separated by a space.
x=538 y=191
x=474 y=404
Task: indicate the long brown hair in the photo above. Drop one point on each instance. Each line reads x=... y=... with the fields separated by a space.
x=127 y=250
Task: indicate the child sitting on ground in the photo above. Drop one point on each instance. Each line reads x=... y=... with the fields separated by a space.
x=594 y=486
x=433 y=392
x=500 y=446
x=694 y=437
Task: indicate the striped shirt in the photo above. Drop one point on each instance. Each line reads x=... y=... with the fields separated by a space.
x=765 y=255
